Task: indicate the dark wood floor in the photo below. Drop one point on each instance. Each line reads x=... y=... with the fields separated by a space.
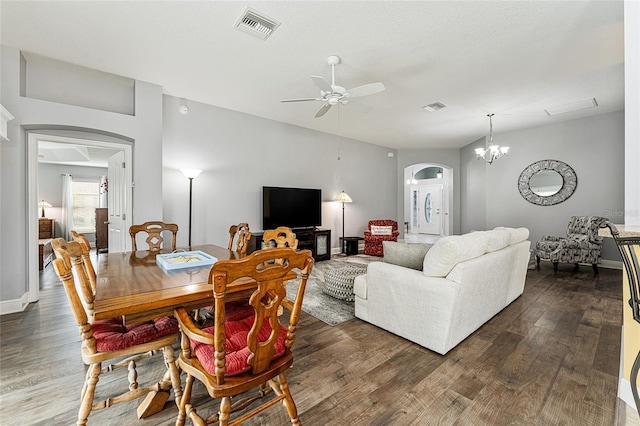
x=550 y=358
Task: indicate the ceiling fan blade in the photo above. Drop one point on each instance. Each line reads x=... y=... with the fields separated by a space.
x=301 y=100
x=356 y=105
x=322 y=111
x=365 y=90
x=322 y=83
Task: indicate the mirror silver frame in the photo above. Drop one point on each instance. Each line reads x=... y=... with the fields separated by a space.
x=569 y=182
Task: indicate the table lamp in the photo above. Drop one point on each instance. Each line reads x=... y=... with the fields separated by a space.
x=42 y=204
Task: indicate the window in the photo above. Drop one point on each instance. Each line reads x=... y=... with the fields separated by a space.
x=85 y=201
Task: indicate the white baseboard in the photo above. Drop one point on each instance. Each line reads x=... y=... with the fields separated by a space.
x=624 y=393
x=15 y=305
x=610 y=264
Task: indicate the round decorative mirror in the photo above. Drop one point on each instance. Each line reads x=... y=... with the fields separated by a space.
x=547 y=182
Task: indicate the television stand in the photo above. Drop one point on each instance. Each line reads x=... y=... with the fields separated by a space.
x=316 y=240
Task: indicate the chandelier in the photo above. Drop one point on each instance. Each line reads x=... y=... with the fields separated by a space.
x=491 y=152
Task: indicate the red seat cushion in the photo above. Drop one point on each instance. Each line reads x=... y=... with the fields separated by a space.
x=236 y=348
x=234 y=311
x=112 y=335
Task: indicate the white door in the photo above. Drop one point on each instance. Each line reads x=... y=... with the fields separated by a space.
x=427 y=209
x=117 y=202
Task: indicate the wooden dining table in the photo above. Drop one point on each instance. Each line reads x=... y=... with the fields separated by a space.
x=134 y=286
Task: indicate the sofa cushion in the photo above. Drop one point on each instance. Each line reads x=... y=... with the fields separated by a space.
x=405 y=254
x=381 y=230
x=517 y=234
x=497 y=239
x=447 y=252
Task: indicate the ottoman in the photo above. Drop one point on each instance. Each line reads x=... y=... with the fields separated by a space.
x=338 y=283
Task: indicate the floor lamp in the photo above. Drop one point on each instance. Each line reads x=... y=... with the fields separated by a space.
x=343 y=197
x=191 y=174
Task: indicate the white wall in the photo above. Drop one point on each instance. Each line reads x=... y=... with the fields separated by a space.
x=240 y=153
x=593 y=147
x=144 y=130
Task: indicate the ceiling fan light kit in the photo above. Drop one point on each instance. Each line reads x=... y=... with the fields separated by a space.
x=333 y=94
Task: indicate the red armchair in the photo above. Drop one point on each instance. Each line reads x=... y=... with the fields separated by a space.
x=373 y=240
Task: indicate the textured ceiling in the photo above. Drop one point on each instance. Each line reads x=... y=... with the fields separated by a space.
x=511 y=58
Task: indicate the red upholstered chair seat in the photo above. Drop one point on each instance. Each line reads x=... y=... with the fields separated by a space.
x=236 y=348
x=112 y=335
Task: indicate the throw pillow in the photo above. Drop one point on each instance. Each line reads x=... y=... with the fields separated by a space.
x=404 y=254
x=381 y=230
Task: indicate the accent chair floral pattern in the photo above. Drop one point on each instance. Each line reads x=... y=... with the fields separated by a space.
x=581 y=245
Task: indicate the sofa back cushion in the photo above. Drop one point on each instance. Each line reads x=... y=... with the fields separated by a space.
x=517 y=234
x=404 y=254
x=447 y=252
x=497 y=239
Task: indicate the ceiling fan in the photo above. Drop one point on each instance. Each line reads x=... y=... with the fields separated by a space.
x=332 y=94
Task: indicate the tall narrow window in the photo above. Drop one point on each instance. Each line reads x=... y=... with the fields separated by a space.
x=85 y=200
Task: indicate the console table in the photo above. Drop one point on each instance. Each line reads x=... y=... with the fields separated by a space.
x=316 y=240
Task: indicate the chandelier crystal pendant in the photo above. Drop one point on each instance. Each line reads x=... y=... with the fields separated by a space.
x=491 y=152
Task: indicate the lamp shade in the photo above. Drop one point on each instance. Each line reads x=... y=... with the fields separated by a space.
x=343 y=197
x=191 y=173
x=43 y=204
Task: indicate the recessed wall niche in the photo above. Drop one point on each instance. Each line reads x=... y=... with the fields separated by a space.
x=75 y=85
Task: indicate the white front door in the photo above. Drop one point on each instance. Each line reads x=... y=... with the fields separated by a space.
x=117 y=202
x=427 y=209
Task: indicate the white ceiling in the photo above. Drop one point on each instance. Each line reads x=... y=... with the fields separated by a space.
x=511 y=58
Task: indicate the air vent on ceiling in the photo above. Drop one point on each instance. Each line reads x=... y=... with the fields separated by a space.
x=434 y=106
x=257 y=24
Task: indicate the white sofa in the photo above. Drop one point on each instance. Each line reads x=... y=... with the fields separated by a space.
x=465 y=281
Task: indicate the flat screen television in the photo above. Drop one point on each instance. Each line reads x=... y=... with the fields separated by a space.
x=292 y=207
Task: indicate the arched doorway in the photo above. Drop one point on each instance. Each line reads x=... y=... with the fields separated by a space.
x=428 y=198
x=69 y=137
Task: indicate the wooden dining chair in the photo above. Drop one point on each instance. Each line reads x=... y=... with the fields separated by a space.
x=111 y=340
x=247 y=349
x=154 y=230
x=86 y=257
x=243 y=234
x=282 y=236
x=629 y=248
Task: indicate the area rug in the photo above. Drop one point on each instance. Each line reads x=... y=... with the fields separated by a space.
x=327 y=309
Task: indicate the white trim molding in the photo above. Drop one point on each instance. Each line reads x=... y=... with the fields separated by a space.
x=15 y=305
x=5 y=116
x=625 y=394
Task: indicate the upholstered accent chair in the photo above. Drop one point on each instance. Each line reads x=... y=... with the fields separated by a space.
x=378 y=231
x=581 y=245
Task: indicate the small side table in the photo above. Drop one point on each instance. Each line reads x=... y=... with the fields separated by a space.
x=349 y=245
